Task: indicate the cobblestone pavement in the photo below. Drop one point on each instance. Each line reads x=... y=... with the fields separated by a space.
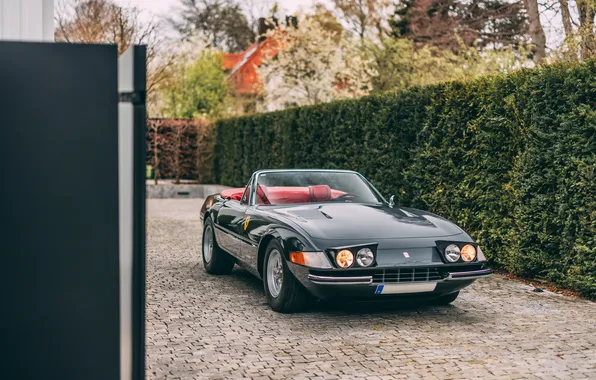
x=220 y=327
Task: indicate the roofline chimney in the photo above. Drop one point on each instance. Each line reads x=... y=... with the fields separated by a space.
x=264 y=25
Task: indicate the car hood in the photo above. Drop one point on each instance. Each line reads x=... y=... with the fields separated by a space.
x=364 y=221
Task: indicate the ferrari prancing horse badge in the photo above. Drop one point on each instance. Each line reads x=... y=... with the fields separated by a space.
x=246 y=222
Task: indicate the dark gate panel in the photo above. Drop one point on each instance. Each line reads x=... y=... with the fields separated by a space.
x=59 y=236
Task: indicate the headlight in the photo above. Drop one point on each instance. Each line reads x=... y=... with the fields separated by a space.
x=344 y=258
x=468 y=253
x=452 y=253
x=365 y=257
x=311 y=259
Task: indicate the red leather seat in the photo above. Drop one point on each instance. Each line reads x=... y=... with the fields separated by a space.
x=234 y=194
x=285 y=194
x=319 y=193
x=288 y=194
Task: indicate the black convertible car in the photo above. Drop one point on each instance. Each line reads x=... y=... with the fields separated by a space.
x=331 y=234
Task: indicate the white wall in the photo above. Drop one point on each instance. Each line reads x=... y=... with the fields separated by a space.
x=27 y=20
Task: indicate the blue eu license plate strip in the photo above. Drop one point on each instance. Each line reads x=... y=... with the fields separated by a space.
x=414 y=287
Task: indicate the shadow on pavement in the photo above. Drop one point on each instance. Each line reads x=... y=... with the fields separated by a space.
x=408 y=308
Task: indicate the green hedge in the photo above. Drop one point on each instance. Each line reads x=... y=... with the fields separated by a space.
x=510 y=158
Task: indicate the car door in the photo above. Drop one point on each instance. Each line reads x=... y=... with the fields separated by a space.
x=254 y=228
x=230 y=221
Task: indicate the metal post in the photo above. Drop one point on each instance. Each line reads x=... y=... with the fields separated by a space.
x=131 y=147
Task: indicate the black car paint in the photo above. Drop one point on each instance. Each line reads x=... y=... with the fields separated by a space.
x=244 y=231
x=417 y=233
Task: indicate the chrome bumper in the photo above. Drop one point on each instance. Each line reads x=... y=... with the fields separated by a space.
x=367 y=280
x=472 y=275
x=328 y=280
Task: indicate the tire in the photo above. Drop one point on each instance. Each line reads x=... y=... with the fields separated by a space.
x=215 y=259
x=446 y=299
x=284 y=295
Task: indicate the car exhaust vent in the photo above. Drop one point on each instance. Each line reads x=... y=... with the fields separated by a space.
x=407 y=275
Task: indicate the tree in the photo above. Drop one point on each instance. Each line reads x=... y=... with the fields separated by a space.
x=222 y=22
x=104 y=22
x=198 y=88
x=312 y=67
x=580 y=36
x=536 y=31
x=446 y=23
x=586 y=10
x=401 y=64
x=326 y=19
x=366 y=18
x=566 y=18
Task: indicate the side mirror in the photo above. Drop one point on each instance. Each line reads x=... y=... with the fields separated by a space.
x=392 y=201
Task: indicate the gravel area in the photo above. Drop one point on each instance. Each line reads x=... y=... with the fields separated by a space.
x=219 y=327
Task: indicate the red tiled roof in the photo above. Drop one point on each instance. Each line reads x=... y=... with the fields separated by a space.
x=231 y=59
x=243 y=66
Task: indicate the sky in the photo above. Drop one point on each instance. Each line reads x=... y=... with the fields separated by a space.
x=162 y=7
x=159 y=9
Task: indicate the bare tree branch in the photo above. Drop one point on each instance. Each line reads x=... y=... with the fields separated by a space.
x=105 y=22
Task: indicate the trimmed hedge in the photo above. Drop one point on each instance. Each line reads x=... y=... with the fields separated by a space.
x=510 y=158
x=180 y=149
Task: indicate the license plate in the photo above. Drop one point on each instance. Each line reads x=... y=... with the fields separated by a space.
x=405 y=288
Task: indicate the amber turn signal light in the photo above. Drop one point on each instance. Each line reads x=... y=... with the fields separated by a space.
x=310 y=259
x=297 y=258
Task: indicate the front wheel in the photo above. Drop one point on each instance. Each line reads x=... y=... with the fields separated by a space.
x=284 y=293
x=215 y=259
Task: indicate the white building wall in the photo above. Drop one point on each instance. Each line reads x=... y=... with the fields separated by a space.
x=27 y=20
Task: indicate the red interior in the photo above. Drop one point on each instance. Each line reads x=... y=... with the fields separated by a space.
x=287 y=194
x=262 y=195
x=235 y=194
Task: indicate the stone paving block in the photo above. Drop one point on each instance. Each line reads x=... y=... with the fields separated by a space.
x=219 y=327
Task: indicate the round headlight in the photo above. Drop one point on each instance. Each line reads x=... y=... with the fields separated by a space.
x=468 y=253
x=365 y=257
x=452 y=253
x=344 y=258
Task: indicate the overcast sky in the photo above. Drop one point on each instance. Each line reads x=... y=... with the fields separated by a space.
x=161 y=7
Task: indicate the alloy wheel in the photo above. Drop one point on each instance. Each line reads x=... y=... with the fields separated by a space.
x=274 y=273
x=208 y=244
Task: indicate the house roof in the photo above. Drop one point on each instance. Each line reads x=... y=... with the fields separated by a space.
x=231 y=59
x=242 y=67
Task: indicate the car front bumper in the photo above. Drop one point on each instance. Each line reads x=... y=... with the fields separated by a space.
x=367 y=284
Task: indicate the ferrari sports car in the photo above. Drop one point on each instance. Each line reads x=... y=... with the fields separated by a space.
x=329 y=234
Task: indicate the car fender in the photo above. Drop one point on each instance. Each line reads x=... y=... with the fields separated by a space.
x=289 y=239
x=210 y=207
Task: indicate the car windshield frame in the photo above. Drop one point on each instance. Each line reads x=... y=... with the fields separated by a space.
x=255 y=180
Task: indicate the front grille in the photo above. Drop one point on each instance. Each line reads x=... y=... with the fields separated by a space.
x=407 y=275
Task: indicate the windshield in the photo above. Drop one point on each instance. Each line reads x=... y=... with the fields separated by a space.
x=312 y=187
